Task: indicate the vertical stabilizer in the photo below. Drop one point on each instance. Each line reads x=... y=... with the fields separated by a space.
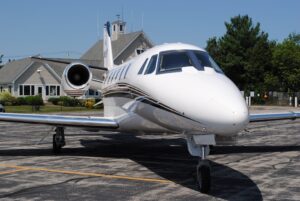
x=107 y=49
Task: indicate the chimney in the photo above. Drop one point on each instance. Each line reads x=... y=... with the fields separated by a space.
x=118 y=28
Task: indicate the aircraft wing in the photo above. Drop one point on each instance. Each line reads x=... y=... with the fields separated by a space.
x=61 y=121
x=274 y=116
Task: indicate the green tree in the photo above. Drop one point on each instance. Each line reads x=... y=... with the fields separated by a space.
x=244 y=53
x=286 y=58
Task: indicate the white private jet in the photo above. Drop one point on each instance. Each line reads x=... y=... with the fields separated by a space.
x=170 y=88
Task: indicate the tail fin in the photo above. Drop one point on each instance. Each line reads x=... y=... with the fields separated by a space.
x=107 y=49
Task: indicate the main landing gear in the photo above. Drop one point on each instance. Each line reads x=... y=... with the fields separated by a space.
x=58 y=140
x=198 y=145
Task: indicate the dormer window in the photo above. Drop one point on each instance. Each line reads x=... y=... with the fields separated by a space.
x=139 y=51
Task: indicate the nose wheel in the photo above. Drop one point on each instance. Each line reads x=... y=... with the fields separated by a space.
x=203 y=176
x=199 y=145
x=58 y=140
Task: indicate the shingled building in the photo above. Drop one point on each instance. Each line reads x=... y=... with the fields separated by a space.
x=26 y=77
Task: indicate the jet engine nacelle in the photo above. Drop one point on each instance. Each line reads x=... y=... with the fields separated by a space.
x=76 y=79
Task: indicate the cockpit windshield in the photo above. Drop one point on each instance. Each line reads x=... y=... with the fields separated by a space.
x=205 y=60
x=174 y=61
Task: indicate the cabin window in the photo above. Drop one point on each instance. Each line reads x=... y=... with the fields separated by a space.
x=127 y=70
x=152 y=65
x=116 y=75
x=107 y=78
x=120 y=76
x=142 y=67
x=111 y=76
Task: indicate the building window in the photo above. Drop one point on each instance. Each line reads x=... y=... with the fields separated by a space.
x=32 y=90
x=40 y=91
x=26 y=90
x=121 y=27
x=9 y=89
x=47 y=90
x=21 y=90
x=114 y=27
x=139 y=51
x=52 y=90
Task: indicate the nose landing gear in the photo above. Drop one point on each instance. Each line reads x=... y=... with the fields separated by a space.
x=198 y=145
x=203 y=175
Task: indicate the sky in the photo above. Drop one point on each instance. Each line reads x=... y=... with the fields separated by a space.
x=68 y=28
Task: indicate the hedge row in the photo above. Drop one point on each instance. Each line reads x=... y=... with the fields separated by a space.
x=65 y=101
x=7 y=99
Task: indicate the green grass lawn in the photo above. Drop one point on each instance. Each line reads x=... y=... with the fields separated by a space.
x=46 y=109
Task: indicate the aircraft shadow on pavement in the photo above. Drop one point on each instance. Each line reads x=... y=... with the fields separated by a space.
x=169 y=159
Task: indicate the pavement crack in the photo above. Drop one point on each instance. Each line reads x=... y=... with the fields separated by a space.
x=36 y=188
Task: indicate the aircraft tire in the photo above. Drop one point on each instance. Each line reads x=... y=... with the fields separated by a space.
x=203 y=176
x=56 y=148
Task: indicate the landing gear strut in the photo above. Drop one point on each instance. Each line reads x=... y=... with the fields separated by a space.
x=58 y=140
x=198 y=145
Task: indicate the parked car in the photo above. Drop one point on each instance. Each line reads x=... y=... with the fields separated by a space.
x=2 y=108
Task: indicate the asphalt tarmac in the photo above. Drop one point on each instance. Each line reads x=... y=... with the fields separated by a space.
x=264 y=164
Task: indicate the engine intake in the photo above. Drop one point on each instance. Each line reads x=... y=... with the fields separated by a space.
x=78 y=75
x=76 y=79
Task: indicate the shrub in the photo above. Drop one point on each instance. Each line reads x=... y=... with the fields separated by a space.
x=7 y=99
x=69 y=102
x=34 y=100
x=65 y=101
x=89 y=103
x=54 y=100
x=21 y=101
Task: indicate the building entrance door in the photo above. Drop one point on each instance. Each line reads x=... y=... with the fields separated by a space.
x=40 y=91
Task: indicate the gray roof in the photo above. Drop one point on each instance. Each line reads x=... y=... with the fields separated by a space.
x=94 y=56
x=95 y=53
x=60 y=67
x=10 y=71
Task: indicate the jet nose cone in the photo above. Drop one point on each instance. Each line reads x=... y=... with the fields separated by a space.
x=240 y=117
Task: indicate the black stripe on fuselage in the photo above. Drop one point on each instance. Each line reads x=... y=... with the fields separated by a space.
x=128 y=91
